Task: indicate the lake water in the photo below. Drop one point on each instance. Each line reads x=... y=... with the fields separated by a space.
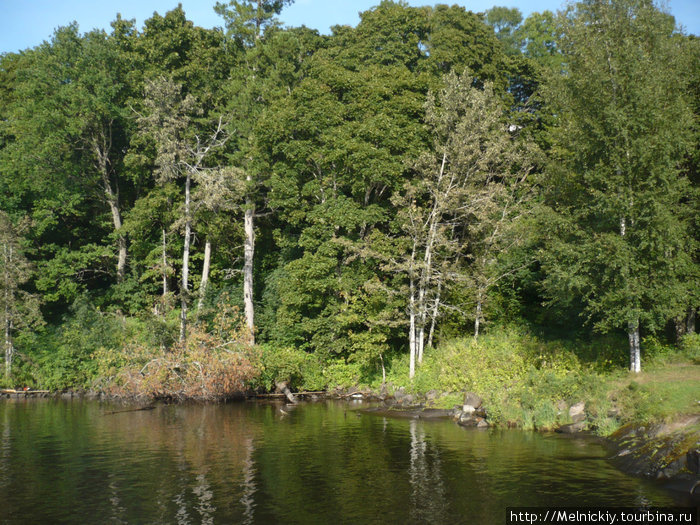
x=323 y=462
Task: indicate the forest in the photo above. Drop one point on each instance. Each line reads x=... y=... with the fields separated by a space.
x=193 y=212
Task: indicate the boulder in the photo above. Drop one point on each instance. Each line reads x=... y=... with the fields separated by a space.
x=561 y=407
x=471 y=399
x=469 y=421
x=432 y=395
x=577 y=412
x=572 y=428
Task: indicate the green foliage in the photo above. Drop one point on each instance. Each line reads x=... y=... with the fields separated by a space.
x=299 y=368
x=344 y=375
x=690 y=347
x=332 y=145
x=64 y=359
x=617 y=226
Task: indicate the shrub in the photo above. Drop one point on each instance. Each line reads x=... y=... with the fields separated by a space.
x=214 y=363
x=299 y=368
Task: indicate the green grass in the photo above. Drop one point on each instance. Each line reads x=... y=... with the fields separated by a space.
x=523 y=378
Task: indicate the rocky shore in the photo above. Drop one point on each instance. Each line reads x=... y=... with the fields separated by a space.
x=668 y=451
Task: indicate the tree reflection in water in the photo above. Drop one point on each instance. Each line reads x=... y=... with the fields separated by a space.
x=428 y=498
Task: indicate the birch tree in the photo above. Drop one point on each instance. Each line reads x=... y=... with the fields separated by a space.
x=618 y=225
x=461 y=209
x=246 y=22
x=180 y=153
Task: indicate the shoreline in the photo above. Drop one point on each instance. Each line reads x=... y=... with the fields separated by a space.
x=666 y=452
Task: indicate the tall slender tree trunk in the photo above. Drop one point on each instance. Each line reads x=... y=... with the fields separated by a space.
x=412 y=316
x=184 y=291
x=205 y=275
x=101 y=151
x=632 y=326
x=9 y=350
x=635 y=354
x=434 y=315
x=412 y=332
x=165 y=265
x=9 y=346
x=690 y=321
x=249 y=252
x=477 y=320
x=420 y=343
x=427 y=271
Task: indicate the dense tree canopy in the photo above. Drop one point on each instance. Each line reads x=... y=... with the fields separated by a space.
x=359 y=195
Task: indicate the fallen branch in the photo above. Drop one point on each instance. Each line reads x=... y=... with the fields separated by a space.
x=321 y=392
x=150 y=407
x=13 y=391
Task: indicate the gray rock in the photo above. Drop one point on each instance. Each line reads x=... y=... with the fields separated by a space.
x=578 y=418
x=432 y=395
x=469 y=421
x=470 y=398
x=577 y=409
x=468 y=409
x=561 y=406
x=572 y=428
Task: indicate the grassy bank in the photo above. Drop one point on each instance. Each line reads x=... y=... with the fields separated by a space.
x=526 y=381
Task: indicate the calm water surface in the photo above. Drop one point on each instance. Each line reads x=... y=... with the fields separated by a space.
x=71 y=462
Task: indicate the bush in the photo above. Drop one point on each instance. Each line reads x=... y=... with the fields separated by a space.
x=299 y=368
x=690 y=347
x=214 y=362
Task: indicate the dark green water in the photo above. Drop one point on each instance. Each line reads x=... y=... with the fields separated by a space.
x=70 y=462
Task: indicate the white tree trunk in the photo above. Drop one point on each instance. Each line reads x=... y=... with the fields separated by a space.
x=477 y=320
x=433 y=317
x=9 y=347
x=249 y=252
x=112 y=197
x=635 y=354
x=165 y=266
x=412 y=332
x=205 y=275
x=9 y=350
x=184 y=288
x=420 y=343
x=690 y=321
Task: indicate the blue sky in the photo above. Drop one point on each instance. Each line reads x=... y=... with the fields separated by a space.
x=27 y=23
